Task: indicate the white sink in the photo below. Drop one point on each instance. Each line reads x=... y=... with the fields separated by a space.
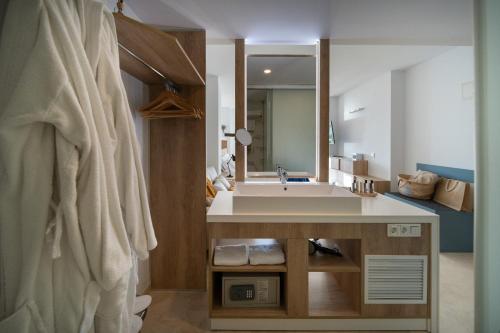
x=316 y=198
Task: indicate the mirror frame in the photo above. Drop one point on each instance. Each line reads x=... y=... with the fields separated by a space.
x=322 y=53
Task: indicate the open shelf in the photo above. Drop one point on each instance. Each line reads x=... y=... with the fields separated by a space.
x=157 y=48
x=334 y=294
x=250 y=268
x=349 y=262
x=220 y=312
x=319 y=262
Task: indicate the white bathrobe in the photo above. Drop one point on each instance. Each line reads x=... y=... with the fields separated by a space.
x=62 y=234
x=65 y=14
x=102 y=52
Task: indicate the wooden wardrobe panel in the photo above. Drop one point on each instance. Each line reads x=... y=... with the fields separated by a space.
x=240 y=112
x=177 y=186
x=324 y=108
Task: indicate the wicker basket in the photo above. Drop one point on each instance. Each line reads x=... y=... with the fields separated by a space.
x=414 y=189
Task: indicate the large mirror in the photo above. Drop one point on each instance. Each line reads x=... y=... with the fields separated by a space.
x=281 y=114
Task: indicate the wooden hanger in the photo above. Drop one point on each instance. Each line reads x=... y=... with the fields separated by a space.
x=169 y=105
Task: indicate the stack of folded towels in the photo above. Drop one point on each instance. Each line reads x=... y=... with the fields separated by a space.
x=238 y=255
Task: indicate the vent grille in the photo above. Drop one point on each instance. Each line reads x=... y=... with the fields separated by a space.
x=394 y=279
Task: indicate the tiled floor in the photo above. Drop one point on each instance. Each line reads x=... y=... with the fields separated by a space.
x=186 y=312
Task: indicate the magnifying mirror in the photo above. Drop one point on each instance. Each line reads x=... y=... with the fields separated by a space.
x=244 y=137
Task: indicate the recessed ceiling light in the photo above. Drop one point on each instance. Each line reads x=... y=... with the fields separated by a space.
x=267 y=71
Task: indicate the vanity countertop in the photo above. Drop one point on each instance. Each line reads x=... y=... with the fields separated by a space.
x=379 y=209
x=271 y=174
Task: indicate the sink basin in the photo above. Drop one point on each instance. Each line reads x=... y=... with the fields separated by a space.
x=296 y=198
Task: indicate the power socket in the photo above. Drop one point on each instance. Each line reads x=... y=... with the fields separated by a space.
x=393 y=230
x=404 y=230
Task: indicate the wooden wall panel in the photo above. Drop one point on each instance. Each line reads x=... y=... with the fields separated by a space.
x=240 y=111
x=177 y=186
x=285 y=230
x=297 y=278
x=324 y=108
x=376 y=241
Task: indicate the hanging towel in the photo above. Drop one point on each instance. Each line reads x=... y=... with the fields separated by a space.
x=266 y=255
x=231 y=255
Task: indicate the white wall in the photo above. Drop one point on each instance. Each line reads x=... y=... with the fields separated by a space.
x=398 y=119
x=367 y=131
x=422 y=114
x=294 y=129
x=439 y=119
x=213 y=124
x=220 y=62
x=335 y=116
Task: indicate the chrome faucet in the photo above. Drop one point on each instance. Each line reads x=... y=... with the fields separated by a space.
x=282 y=173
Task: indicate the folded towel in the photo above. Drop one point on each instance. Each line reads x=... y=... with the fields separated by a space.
x=231 y=255
x=266 y=255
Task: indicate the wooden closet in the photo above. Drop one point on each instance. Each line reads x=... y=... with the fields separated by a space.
x=177 y=149
x=177 y=186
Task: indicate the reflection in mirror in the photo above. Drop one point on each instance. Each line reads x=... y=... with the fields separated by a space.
x=281 y=113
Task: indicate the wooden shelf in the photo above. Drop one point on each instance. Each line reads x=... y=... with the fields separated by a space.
x=328 y=299
x=344 y=179
x=246 y=312
x=159 y=49
x=330 y=263
x=250 y=268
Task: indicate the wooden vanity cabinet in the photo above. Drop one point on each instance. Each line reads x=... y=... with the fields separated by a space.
x=320 y=286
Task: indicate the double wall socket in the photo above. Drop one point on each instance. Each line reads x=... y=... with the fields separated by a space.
x=404 y=230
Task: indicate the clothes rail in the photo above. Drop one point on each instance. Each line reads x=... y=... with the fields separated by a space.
x=168 y=83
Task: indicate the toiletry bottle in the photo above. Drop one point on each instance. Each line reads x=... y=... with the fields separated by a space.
x=371 y=186
x=354 y=185
x=366 y=189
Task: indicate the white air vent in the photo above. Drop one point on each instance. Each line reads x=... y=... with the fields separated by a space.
x=393 y=279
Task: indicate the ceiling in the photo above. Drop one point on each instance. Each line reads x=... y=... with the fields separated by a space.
x=416 y=22
x=369 y=37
